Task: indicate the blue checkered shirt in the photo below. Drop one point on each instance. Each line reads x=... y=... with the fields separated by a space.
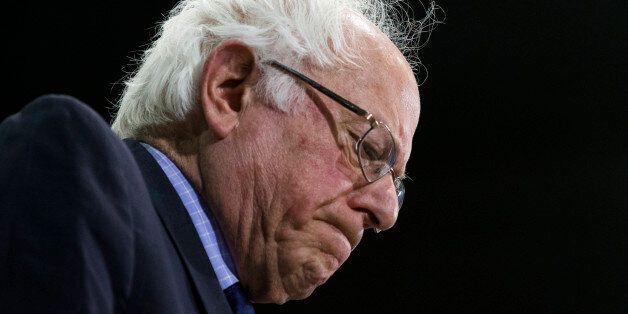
x=203 y=220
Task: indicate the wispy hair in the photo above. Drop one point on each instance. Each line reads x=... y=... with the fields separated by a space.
x=163 y=89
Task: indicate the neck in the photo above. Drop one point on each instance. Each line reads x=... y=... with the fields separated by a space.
x=183 y=153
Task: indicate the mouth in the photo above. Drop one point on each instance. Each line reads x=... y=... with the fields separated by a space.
x=341 y=240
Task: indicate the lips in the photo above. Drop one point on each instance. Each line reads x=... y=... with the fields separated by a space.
x=352 y=237
x=340 y=239
x=351 y=231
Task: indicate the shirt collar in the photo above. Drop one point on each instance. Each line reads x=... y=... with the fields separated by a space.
x=203 y=219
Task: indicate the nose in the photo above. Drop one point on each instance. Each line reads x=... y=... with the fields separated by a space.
x=379 y=201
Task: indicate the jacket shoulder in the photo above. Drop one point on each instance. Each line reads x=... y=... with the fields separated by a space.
x=69 y=193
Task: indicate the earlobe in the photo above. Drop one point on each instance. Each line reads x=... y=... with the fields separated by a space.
x=229 y=74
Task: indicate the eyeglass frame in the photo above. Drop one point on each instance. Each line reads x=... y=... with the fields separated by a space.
x=397 y=180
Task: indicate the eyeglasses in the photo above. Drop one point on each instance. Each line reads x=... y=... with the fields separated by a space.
x=375 y=148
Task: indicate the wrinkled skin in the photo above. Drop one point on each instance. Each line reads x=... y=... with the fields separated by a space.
x=286 y=187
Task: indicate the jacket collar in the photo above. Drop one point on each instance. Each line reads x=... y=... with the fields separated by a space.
x=180 y=230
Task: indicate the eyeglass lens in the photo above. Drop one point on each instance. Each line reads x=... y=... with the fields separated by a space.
x=377 y=154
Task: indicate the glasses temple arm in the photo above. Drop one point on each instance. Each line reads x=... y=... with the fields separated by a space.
x=339 y=99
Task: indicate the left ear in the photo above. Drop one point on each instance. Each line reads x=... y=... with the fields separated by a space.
x=229 y=74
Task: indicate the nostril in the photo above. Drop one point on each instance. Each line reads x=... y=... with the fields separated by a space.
x=374 y=220
x=371 y=221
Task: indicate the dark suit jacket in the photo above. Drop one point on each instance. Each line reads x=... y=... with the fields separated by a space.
x=91 y=225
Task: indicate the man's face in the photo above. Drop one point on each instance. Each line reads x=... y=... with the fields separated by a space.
x=297 y=203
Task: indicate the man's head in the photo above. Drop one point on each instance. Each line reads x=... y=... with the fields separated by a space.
x=274 y=158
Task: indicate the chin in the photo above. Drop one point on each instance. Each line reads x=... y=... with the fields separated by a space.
x=298 y=264
x=297 y=282
x=313 y=272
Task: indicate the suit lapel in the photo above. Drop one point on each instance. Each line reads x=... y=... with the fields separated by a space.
x=180 y=230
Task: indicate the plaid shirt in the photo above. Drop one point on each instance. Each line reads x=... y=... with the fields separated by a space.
x=203 y=220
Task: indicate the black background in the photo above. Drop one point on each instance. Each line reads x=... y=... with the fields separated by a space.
x=520 y=165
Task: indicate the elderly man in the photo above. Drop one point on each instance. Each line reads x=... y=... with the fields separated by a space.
x=261 y=139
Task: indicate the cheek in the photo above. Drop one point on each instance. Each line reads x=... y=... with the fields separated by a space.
x=314 y=178
x=320 y=179
x=304 y=263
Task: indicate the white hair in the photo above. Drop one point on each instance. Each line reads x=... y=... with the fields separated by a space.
x=164 y=87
